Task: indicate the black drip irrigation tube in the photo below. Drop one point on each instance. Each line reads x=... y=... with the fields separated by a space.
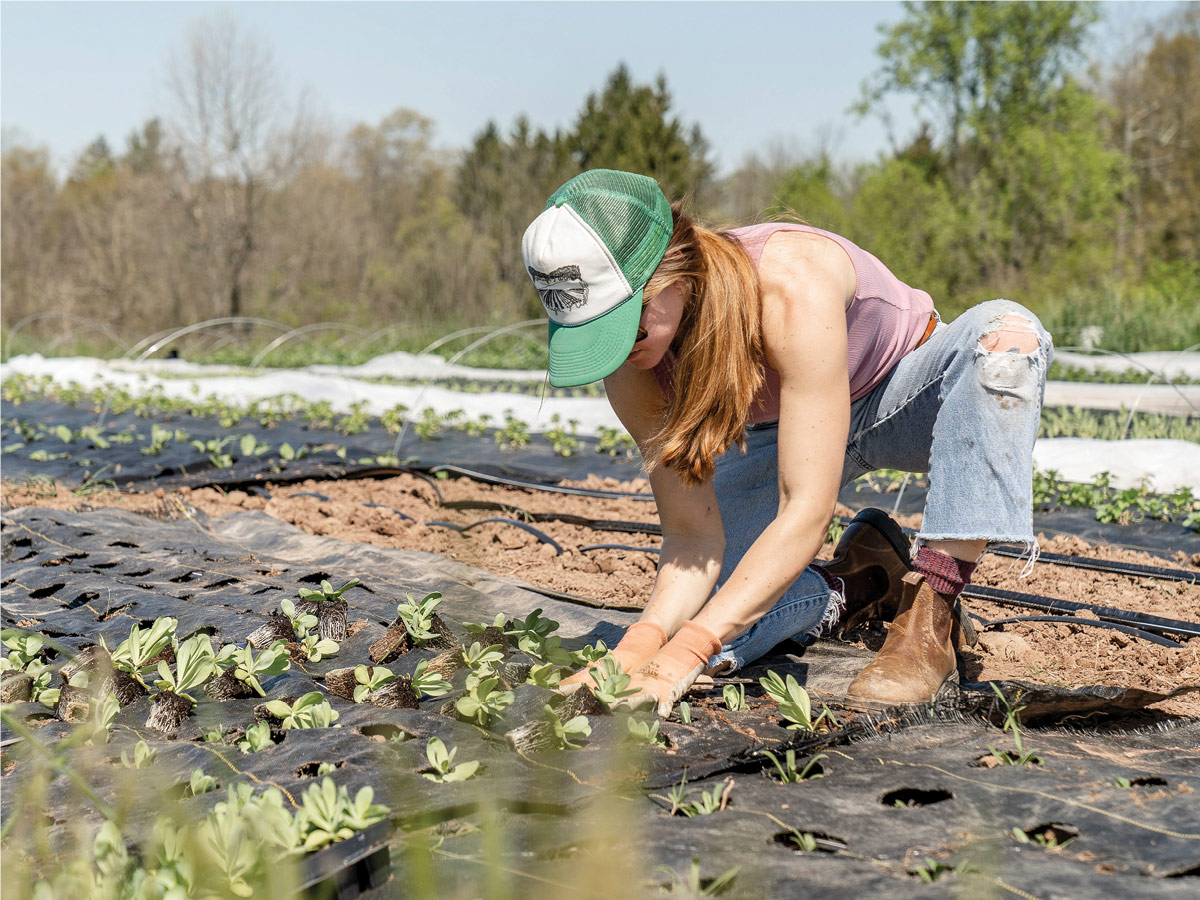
x=1101 y=565
x=1140 y=633
x=1155 y=624
x=524 y=526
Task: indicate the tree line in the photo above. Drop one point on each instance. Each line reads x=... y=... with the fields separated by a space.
x=1078 y=194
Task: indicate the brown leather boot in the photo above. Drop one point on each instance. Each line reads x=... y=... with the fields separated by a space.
x=871 y=559
x=917 y=659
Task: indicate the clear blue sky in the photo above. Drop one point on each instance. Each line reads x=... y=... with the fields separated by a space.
x=748 y=73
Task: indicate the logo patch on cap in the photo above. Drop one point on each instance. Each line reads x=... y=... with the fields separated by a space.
x=562 y=289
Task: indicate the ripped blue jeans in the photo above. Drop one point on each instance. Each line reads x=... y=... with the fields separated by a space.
x=965 y=414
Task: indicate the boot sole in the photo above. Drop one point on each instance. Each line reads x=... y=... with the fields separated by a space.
x=946 y=689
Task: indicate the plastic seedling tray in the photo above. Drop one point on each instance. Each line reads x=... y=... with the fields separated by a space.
x=346 y=869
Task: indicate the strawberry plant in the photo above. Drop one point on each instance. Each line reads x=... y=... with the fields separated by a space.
x=442 y=763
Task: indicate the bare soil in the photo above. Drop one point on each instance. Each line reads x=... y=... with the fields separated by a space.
x=1066 y=654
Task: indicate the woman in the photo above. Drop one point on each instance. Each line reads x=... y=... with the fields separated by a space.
x=759 y=370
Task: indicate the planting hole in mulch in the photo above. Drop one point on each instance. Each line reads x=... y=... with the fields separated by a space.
x=913 y=797
x=1148 y=781
x=810 y=842
x=384 y=732
x=309 y=770
x=47 y=591
x=1050 y=834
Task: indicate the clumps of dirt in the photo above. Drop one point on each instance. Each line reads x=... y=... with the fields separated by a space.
x=401 y=512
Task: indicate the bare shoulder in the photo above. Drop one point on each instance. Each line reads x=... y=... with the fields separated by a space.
x=806 y=281
x=799 y=263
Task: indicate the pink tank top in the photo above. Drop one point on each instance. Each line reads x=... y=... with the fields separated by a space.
x=885 y=320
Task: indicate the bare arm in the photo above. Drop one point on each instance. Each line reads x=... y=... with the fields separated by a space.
x=693 y=537
x=805 y=287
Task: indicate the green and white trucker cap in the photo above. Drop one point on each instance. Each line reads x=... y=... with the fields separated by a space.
x=590 y=254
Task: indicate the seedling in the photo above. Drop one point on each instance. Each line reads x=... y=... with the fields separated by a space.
x=531 y=630
x=200 y=783
x=143 y=755
x=804 y=840
x=793 y=701
x=1012 y=723
x=611 y=683
x=252 y=446
x=315 y=648
x=483 y=701
x=327 y=814
x=248 y=668
x=644 y=732
x=417 y=616
x=215 y=449
x=685 y=712
x=327 y=593
x=133 y=654
x=1047 y=838
x=482 y=660
x=309 y=711
x=590 y=653
x=515 y=433
x=734 y=696
x=442 y=763
x=370 y=680
x=788 y=773
x=1121 y=782
x=258 y=737
x=935 y=869
x=546 y=675
x=707 y=803
x=692 y=885
x=194 y=665
x=576 y=728
x=428 y=684
x=302 y=623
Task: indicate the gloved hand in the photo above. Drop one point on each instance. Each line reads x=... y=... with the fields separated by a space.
x=639 y=643
x=667 y=675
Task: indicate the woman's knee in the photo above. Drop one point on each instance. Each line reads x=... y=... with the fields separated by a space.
x=1002 y=326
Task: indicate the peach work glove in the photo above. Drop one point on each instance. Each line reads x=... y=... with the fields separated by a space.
x=641 y=641
x=667 y=675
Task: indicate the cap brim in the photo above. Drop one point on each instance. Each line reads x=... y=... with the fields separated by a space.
x=581 y=354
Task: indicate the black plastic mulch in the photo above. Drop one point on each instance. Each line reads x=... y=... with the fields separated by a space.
x=180 y=464
x=73 y=576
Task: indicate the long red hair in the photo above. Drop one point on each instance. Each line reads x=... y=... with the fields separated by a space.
x=718 y=348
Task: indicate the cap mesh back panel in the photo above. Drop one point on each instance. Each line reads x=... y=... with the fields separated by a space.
x=629 y=212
